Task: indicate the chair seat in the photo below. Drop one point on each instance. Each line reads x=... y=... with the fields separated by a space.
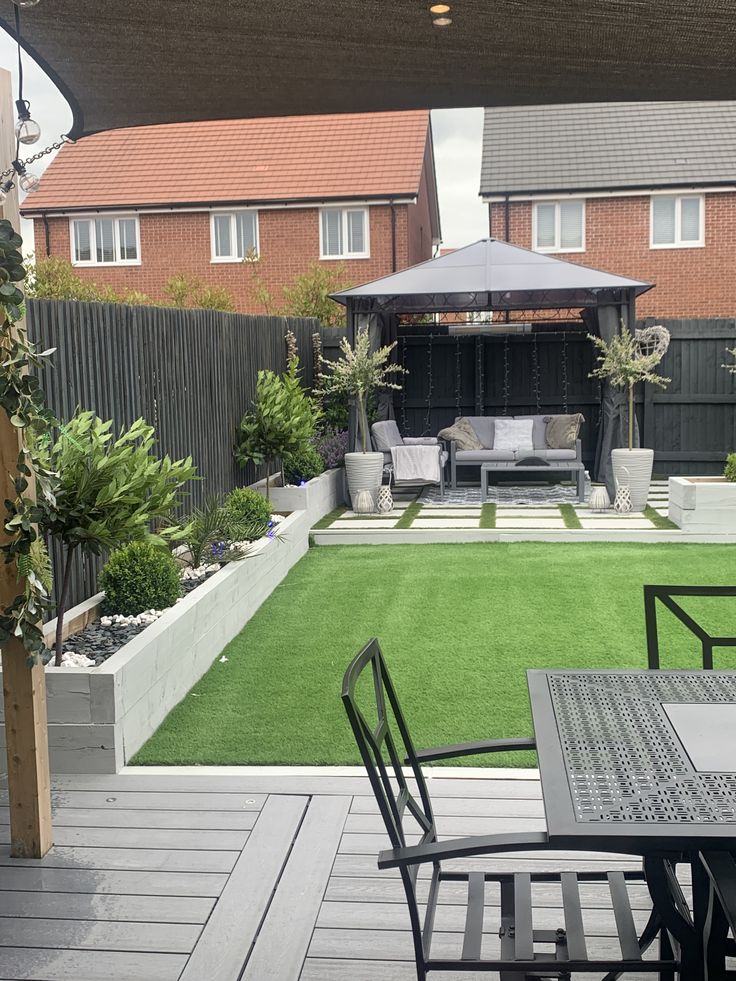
x=550 y=951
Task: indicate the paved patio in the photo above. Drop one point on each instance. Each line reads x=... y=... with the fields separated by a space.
x=452 y=520
x=187 y=874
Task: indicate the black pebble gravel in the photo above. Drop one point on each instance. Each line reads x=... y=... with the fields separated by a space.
x=99 y=643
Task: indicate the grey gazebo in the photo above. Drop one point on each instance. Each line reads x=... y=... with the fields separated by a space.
x=494 y=276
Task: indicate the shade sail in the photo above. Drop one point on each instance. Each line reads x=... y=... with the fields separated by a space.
x=137 y=62
x=491 y=275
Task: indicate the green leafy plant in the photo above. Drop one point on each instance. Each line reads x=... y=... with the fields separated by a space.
x=34 y=483
x=247 y=515
x=729 y=471
x=621 y=361
x=309 y=295
x=109 y=492
x=282 y=419
x=302 y=465
x=358 y=374
x=54 y=278
x=140 y=576
x=184 y=291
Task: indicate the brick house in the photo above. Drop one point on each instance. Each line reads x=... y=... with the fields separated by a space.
x=646 y=190
x=133 y=207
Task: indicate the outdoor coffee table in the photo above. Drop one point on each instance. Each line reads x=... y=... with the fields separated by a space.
x=642 y=761
x=554 y=467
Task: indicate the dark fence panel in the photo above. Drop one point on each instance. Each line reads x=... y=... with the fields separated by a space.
x=190 y=373
x=691 y=424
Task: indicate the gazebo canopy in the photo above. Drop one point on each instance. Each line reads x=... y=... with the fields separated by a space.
x=491 y=275
x=136 y=62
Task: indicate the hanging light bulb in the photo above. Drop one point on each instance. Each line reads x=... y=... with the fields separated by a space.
x=5 y=188
x=25 y=3
x=27 y=130
x=29 y=182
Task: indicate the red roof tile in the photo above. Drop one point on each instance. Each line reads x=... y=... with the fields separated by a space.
x=239 y=160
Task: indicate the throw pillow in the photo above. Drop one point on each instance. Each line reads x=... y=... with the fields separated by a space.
x=462 y=433
x=514 y=434
x=562 y=431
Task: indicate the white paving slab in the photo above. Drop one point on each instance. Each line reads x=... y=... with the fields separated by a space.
x=624 y=524
x=530 y=525
x=552 y=511
x=364 y=523
x=445 y=523
x=450 y=512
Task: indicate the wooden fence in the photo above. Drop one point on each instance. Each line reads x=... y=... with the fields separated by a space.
x=190 y=373
x=691 y=424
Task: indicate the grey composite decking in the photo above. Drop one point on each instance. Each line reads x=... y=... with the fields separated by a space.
x=262 y=876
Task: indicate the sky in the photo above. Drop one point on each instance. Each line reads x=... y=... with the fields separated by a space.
x=457 y=144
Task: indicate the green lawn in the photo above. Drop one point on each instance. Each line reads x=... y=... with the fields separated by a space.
x=459 y=625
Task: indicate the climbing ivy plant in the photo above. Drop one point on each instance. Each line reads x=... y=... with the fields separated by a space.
x=22 y=400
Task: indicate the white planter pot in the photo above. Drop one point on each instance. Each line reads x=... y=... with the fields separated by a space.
x=634 y=467
x=706 y=505
x=318 y=496
x=364 y=472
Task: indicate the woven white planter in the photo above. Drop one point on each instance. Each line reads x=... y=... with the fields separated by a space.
x=634 y=467
x=364 y=472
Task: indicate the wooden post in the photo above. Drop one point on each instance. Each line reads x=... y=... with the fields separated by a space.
x=24 y=688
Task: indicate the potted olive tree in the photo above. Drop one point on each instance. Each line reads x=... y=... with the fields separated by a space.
x=627 y=360
x=358 y=373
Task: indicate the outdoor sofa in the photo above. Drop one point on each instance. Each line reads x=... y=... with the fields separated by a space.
x=385 y=436
x=484 y=428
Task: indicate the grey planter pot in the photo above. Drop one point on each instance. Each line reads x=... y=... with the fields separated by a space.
x=364 y=472
x=634 y=467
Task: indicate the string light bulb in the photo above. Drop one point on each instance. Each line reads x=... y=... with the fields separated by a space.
x=5 y=188
x=27 y=130
x=29 y=182
x=26 y=3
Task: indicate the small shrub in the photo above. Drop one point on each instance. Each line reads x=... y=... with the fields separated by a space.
x=140 y=576
x=248 y=514
x=332 y=445
x=729 y=471
x=302 y=465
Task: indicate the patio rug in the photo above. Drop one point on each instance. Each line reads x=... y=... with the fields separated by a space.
x=533 y=494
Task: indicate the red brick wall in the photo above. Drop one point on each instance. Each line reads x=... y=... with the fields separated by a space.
x=289 y=242
x=699 y=282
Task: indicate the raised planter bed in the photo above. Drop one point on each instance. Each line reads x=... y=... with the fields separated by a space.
x=318 y=496
x=100 y=716
x=703 y=504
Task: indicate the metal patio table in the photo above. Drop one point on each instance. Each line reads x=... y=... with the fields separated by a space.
x=556 y=467
x=645 y=762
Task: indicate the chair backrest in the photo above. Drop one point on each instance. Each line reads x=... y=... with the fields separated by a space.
x=385 y=746
x=385 y=435
x=665 y=596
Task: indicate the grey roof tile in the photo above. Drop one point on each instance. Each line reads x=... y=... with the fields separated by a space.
x=608 y=145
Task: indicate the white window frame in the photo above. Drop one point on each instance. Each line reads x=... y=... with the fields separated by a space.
x=344 y=209
x=231 y=213
x=116 y=217
x=678 y=243
x=557 y=246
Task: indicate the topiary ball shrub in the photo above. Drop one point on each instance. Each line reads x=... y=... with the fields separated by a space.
x=140 y=576
x=247 y=514
x=302 y=465
x=729 y=471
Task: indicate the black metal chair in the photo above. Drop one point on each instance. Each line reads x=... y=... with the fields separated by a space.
x=524 y=952
x=665 y=596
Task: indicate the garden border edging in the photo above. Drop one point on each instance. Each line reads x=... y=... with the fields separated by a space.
x=99 y=717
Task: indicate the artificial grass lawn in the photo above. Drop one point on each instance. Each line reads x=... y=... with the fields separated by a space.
x=459 y=625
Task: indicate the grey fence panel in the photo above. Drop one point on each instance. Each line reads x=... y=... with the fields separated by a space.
x=190 y=373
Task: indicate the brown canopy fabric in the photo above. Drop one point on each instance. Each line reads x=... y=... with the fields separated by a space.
x=138 y=62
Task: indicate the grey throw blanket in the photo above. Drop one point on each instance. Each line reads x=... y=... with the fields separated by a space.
x=416 y=463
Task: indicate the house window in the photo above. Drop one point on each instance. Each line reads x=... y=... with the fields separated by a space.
x=105 y=241
x=234 y=235
x=344 y=233
x=559 y=226
x=677 y=221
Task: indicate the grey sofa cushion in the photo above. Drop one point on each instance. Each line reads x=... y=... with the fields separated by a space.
x=539 y=430
x=484 y=456
x=385 y=435
x=461 y=433
x=484 y=429
x=547 y=454
x=562 y=431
